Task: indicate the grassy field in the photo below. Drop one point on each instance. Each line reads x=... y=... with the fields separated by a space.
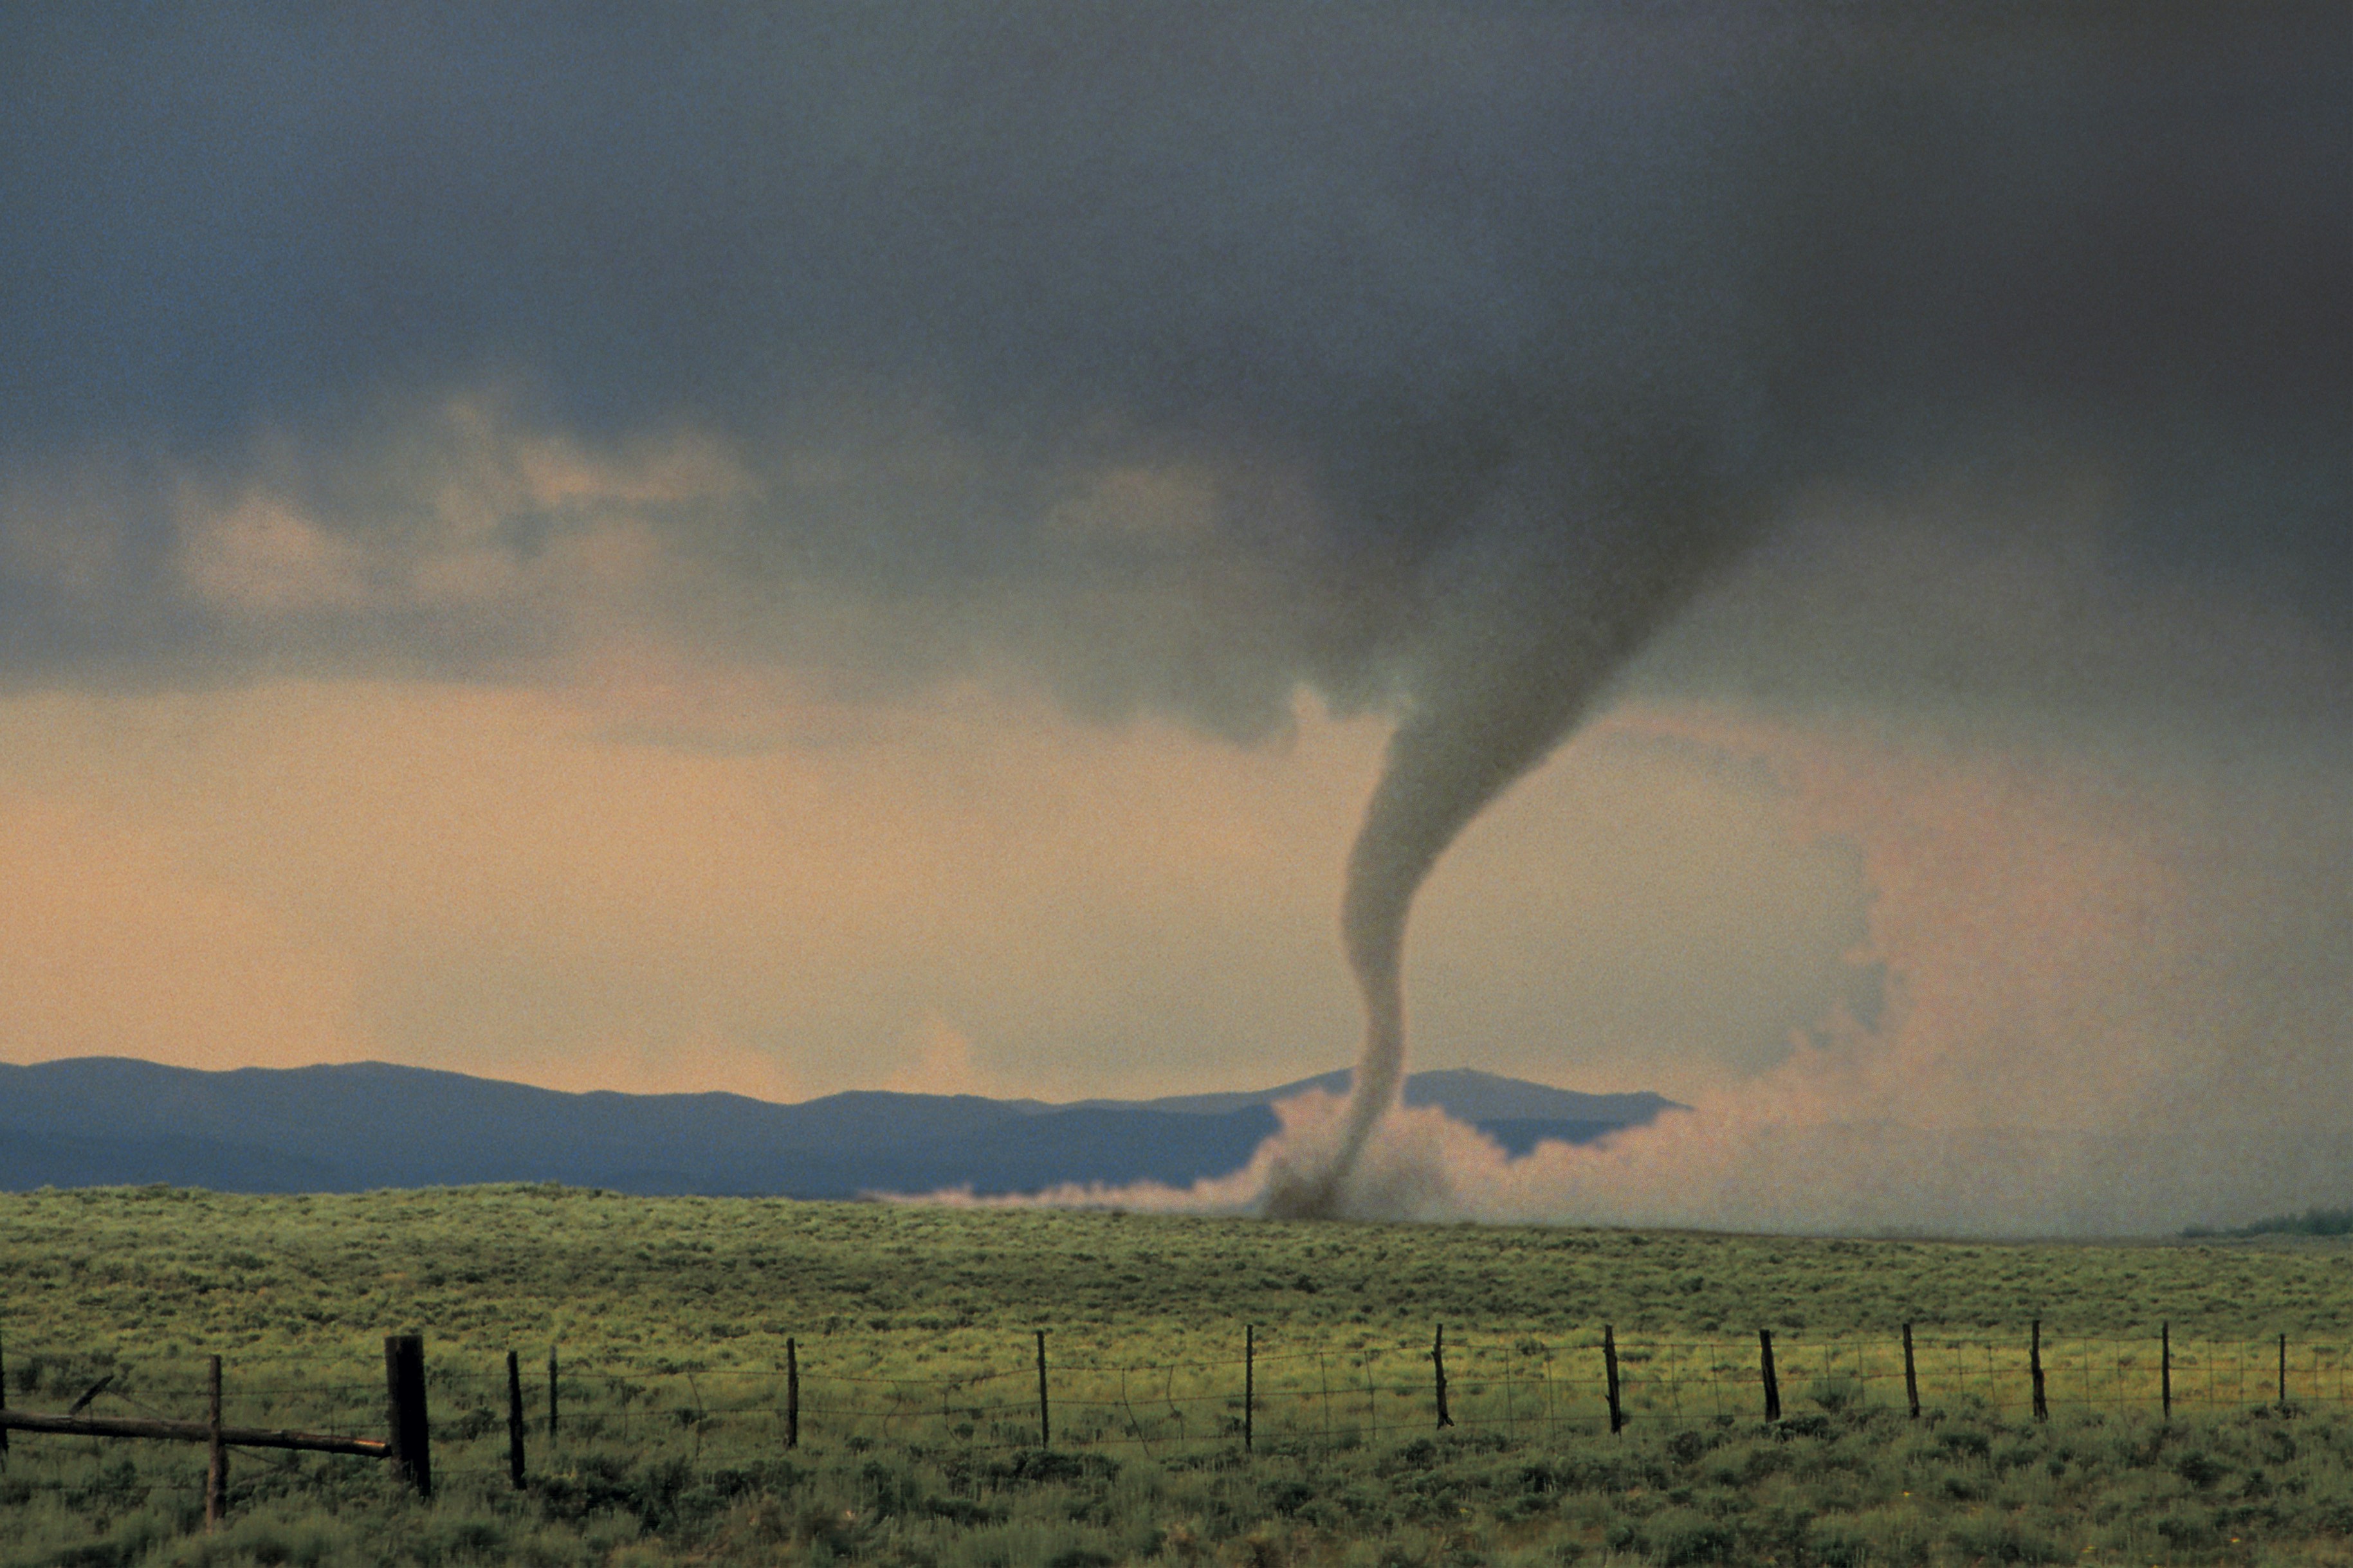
x=913 y=1332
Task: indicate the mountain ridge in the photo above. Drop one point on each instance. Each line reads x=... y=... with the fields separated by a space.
x=1465 y=1093
x=106 y=1120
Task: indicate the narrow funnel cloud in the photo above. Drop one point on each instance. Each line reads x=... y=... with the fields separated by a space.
x=1554 y=606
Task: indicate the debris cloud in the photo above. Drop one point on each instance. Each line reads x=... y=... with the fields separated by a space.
x=2115 y=1007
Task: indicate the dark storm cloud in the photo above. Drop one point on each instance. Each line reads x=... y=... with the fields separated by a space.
x=1421 y=252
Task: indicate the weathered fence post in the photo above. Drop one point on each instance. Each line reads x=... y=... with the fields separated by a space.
x=2034 y=1365
x=1911 y=1376
x=1250 y=1378
x=514 y=1419
x=2282 y=1381
x=411 y=1439
x=1772 y=1384
x=1438 y=1359
x=792 y=1393
x=1610 y=1373
x=1045 y=1418
x=216 y=1466
x=550 y=1394
x=3 y=1405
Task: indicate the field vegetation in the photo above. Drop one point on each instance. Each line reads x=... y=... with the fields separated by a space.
x=912 y=1336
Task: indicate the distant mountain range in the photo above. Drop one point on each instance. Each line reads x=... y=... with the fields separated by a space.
x=112 y=1121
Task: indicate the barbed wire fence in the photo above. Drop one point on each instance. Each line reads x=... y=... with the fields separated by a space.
x=490 y=1428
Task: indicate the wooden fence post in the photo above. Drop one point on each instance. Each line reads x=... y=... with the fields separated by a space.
x=792 y=1393
x=2165 y=1367
x=216 y=1466
x=3 y=1405
x=1911 y=1376
x=550 y=1394
x=1250 y=1378
x=2034 y=1365
x=514 y=1419
x=1045 y=1416
x=1438 y=1359
x=2282 y=1381
x=1772 y=1384
x=1609 y=1371
x=410 y=1436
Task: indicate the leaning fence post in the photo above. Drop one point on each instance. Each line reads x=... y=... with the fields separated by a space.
x=1438 y=1359
x=1045 y=1421
x=1609 y=1371
x=2034 y=1365
x=1772 y=1384
x=1250 y=1378
x=216 y=1466
x=1911 y=1376
x=550 y=1394
x=792 y=1393
x=404 y=1377
x=514 y=1419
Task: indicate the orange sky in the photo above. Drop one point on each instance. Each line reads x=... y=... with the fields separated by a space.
x=784 y=897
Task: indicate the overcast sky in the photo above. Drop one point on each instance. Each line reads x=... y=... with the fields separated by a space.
x=794 y=549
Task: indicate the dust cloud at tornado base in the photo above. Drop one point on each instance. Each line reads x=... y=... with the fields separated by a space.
x=2109 y=1011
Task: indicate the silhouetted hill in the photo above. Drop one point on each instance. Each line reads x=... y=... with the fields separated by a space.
x=1466 y=1095
x=108 y=1120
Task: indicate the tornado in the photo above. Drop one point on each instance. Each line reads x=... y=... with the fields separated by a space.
x=1572 y=576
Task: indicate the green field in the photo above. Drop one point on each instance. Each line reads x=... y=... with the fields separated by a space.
x=913 y=1331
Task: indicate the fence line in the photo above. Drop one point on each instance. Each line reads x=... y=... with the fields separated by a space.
x=1279 y=1395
